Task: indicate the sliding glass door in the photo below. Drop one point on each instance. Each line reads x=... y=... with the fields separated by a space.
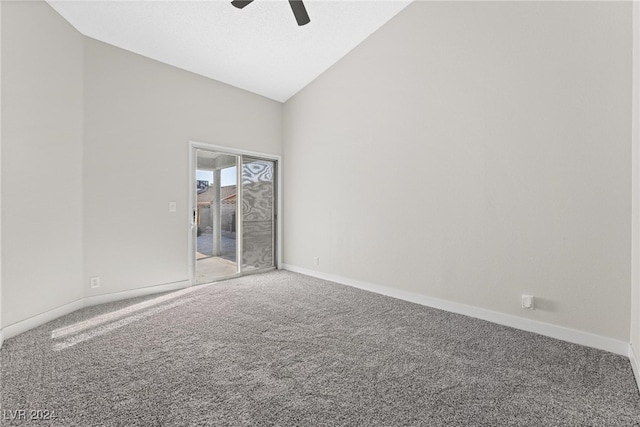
x=233 y=225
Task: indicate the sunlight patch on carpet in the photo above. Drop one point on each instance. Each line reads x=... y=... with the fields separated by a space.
x=101 y=330
x=108 y=317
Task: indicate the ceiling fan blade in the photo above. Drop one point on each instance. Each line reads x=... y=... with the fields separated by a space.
x=300 y=12
x=240 y=3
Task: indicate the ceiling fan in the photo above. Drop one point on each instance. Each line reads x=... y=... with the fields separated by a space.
x=299 y=11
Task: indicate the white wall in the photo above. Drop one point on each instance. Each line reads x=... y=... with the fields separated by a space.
x=474 y=152
x=42 y=83
x=139 y=116
x=635 y=195
x=1 y=332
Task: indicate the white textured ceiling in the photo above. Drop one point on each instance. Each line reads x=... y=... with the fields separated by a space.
x=259 y=48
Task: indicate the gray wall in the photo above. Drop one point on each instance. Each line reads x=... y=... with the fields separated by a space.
x=42 y=83
x=489 y=145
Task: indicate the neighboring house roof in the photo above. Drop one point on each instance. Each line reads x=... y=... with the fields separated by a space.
x=225 y=192
x=229 y=190
x=229 y=199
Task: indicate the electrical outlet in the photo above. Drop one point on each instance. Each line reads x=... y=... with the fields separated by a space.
x=528 y=302
x=172 y=206
x=95 y=281
x=316 y=261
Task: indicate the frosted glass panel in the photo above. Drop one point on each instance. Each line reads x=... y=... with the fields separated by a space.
x=257 y=213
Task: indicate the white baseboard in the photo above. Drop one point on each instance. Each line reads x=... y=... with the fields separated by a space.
x=542 y=328
x=133 y=293
x=635 y=364
x=41 y=319
x=547 y=329
x=48 y=316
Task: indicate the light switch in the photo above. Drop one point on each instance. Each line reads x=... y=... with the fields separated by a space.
x=172 y=206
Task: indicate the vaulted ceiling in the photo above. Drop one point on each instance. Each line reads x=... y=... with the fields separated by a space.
x=259 y=48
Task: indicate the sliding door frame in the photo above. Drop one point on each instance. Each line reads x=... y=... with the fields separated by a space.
x=196 y=145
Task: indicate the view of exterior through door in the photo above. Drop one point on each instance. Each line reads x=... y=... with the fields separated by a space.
x=233 y=222
x=215 y=216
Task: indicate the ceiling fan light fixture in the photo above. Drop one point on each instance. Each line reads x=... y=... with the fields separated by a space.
x=299 y=11
x=240 y=4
